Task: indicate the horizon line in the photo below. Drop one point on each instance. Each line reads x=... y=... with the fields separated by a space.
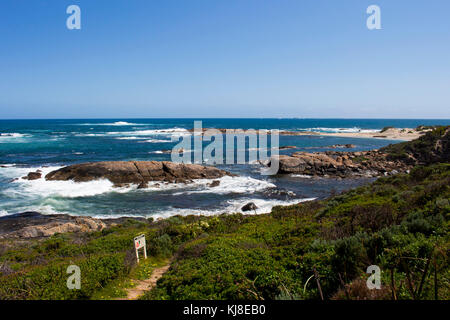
x=248 y=118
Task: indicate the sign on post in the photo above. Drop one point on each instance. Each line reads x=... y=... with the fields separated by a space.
x=139 y=242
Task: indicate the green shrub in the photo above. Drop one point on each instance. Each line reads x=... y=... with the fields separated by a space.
x=50 y=282
x=161 y=246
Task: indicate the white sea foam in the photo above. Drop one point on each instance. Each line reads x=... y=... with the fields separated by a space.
x=7 y=165
x=137 y=134
x=117 y=123
x=155 y=141
x=42 y=188
x=233 y=206
x=4 y=213
x=304 y=176
x=264 y=206
x=90 y=134
x=69 y=189
x=128 y=138
x=124 y=123
x=14 y=137
x=229 y=184
x=168 y=132
x=51 y=197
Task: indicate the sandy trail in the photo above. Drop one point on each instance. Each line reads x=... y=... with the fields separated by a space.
x=145 y=285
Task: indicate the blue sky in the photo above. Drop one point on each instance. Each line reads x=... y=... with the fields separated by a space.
x=217 y=58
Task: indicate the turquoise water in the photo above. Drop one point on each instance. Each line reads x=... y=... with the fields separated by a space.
x=27 y=145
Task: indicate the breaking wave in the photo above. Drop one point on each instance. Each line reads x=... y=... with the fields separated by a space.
x=14 y=137
x=117 y=123
x=231 y=206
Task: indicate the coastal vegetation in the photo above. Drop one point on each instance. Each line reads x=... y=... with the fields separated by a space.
x=399 y=223
x=386 y=129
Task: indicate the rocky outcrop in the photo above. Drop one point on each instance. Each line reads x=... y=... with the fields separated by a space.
x=181 y=150
x=136 y=172
x=33 y=224
x=340 y=164
x=433 y=146
x=342 y=146
x=33 y=175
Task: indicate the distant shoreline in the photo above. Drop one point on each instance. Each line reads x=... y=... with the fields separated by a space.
x=403 y=134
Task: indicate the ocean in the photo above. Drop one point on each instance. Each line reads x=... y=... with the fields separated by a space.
x=28 y=145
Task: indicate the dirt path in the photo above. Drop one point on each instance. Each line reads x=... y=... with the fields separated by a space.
x=145 y=285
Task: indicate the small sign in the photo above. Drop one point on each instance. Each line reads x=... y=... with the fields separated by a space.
x=139 y=242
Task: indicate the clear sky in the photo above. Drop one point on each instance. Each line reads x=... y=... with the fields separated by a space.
x=224 y=58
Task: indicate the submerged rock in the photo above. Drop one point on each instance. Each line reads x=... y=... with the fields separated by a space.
x=136 y=172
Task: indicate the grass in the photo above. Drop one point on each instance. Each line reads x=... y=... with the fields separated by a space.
x=118 y=288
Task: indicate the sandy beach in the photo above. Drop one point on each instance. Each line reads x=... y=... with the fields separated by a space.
x=405 y=134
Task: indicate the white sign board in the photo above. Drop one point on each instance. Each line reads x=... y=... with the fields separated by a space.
x=139 y=242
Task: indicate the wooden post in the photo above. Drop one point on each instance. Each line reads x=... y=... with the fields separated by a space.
x=137 y=255
x=425 y=272
x=408 y=278
x=435 y=280
x=394 y=294
x=344 y=286
x=316 y=275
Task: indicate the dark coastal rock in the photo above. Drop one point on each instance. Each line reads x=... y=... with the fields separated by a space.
x=340 y=164
x=136 y=172
x=215 y=183
x=342 y=146
x=33 y=175
x=143 y=185
x=181 y=150
x=249 y=207
x=334 y=146
x=34 y=224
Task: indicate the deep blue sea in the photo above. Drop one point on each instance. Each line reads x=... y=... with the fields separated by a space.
x=27 y=145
